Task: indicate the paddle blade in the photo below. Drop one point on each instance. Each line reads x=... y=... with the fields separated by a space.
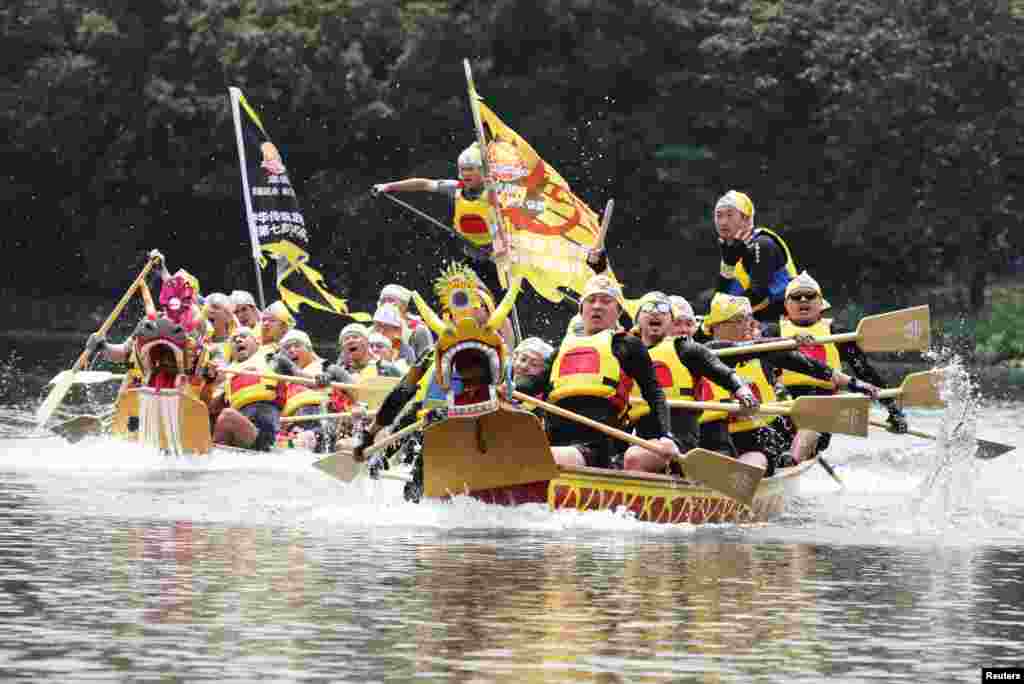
x=86 y=377
x=79 y=427
x=374 y=390
x=341 y=465
x=903 y=330
x=53 y=399
x=922 y=389
x=988 y=450
x=733 y=478
x=845 y=415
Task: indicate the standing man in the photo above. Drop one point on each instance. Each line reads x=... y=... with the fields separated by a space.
x=471 y=210
x=756 y=262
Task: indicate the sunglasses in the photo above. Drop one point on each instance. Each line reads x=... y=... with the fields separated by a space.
x=657 y=307
x=806 y=297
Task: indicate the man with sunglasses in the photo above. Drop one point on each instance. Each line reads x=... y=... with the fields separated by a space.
x=804 y=321
x=757 y=439
x=680 y=365
x=756 y=262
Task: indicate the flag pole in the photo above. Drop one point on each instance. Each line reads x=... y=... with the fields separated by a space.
x=494 y=223
x=235 y=94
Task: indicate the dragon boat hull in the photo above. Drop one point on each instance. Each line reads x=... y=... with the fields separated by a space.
x=504 y=458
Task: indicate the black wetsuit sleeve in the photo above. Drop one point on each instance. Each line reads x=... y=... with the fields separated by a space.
x=795 y=361
x=636 y=362
x=715 y=436
x=770 y=330
x=405 y=390
x=699 y=360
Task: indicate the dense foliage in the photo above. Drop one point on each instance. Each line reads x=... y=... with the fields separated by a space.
x=884 y=138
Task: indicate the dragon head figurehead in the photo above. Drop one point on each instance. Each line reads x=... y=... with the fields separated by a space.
x=469 y=342
x=179 y=295
x=166 y=352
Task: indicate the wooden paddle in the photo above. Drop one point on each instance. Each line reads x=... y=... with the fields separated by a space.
x=845 y=414
x=903 y=330
x=344 y=467
x=733 y=478
x=86 y=377
x=371 y=390
x=60 y=389
x=986 y=450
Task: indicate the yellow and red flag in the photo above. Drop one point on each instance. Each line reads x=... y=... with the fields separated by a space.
x=549 y=229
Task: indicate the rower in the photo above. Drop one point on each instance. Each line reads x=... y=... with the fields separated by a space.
x=531 y=366
x=731 y=323
x=414 y=332
x=756 y=262
x=680 y=364
x=592 y=375
x=383 y=350
x=803 y=321
x=275 y=321
x=684 y=321
x=301 y=399
x=253 y=415
x=355 y=356
x=387 y=321
x=221 y=321
x=246 y=311
x=471 y=209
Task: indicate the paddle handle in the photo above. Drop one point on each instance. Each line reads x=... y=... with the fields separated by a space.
x=767 y=409
x=583 y=420
x=783 y=345
x=322 y=416
x=84 y=357
x=606 y=221
x=391 y=439
x=293 y=379
x=915 y=433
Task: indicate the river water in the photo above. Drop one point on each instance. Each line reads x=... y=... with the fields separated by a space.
x=120 y=564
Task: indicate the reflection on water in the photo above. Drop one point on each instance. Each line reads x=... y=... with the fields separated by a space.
x=120 y=564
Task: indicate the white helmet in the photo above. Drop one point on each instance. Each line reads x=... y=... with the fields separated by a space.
x=470 y=157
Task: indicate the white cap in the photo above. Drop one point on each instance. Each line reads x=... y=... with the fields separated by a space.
x=681 y=308
x=470 y=157
x=243 y=330
x=296 y=336
x=397 y=291
x=738 y=201
x=219 y=299
x=537 y=345
x=388 y=314
x=354 y=329
x=242 y=298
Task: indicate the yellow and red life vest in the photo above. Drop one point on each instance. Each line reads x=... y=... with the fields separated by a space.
x=242 y=390
x=675 y=378
x=754 y=374
x=586 y=367
x=470 y=218
x=825 y=353
x=296 y=396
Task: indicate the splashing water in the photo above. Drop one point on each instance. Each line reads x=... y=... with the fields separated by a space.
x=946 y=493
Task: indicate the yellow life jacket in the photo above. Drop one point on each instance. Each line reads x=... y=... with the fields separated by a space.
x=586 y=367
x=753 y=373
x=825 y=353
x=673 y=376
x=781 y=278
x=368 y=371
x=242 y=390
x=470 y=218
x=296 y=396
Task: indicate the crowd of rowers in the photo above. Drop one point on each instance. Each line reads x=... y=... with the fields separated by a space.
x=609 y=367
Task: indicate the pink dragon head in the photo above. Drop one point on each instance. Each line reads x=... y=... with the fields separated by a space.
x=178 y=297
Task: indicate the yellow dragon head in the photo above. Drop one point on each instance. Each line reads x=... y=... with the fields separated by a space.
x=461 y=329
